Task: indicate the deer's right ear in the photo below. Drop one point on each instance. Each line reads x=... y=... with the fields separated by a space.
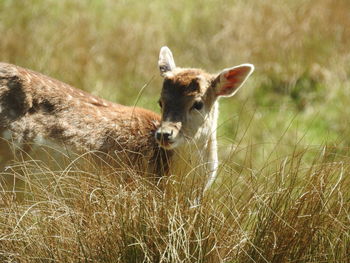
x=166 y=61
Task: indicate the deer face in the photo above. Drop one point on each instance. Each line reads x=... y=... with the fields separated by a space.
x=187 y=99
x=185 y=102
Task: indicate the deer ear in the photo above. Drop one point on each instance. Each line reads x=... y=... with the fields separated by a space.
x=166 y=61
x=230 y=80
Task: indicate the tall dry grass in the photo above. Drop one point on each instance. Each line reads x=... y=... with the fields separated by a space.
x=282 y=191
x=287 y=211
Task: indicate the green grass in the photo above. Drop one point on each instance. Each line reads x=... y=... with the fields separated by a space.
x=282 y=191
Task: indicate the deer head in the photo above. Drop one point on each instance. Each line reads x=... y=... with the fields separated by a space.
x=188 y=97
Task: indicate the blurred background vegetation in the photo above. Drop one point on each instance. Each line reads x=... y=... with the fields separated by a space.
x=283 y=138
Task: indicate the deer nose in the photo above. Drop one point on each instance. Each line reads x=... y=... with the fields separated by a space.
x=164 y=135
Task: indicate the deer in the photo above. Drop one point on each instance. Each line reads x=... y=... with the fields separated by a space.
x=189 y=104
x=36 y=109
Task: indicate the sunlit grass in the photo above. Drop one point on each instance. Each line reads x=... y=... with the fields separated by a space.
x=286 y=210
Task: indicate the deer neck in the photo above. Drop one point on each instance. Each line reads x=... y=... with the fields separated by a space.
x=201 y=153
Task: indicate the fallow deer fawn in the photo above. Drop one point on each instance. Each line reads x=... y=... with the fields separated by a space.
x=189 y=102
x=36 y=108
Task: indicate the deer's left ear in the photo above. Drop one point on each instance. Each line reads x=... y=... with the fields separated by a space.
x=230 y=80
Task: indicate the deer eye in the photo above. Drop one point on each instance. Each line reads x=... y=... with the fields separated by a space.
x=198 y=105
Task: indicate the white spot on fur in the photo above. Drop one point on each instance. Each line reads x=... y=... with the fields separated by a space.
x=64 y=124
x=41 y=81
x=51 y=83
x=69 y=97
x=88 y=104
x=156 y=123
x=28 y=78
x=15 y=71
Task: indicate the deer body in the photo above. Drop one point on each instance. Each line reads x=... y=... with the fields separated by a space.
x=35 y=107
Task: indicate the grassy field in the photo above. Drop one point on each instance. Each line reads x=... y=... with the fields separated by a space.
x=282 y=194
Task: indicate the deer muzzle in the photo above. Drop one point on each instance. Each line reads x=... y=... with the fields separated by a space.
x=168 y=134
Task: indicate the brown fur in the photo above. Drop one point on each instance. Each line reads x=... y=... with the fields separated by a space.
x=187 y=81
x=182 y=88
x=35 y=106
